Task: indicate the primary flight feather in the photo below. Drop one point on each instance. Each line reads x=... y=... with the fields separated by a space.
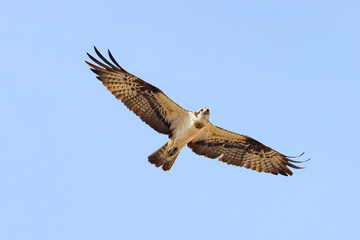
x=185 y=127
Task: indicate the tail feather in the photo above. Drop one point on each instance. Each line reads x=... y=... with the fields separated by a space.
x=159 y=156
x=162 y=158
x=168 y=164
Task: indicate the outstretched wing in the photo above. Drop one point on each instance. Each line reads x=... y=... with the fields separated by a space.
x=240 y=150
x=145 y=100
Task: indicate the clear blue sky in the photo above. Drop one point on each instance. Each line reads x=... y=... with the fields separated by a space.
x=73 y=159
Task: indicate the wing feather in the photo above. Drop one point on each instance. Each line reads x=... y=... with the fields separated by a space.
x=145 y=100
x=240 y=150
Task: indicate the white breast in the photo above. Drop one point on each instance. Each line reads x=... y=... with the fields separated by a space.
x=184 y=130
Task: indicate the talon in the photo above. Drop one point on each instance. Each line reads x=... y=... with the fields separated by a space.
x=172 y=151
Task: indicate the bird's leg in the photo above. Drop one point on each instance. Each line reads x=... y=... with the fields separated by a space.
x=171 y=147
x=172 y=150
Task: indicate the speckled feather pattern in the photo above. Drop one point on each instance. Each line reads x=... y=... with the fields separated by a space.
x=240 y=150
x=166 y=117
x=137 y=95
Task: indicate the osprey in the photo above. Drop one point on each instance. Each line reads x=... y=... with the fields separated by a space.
x=185 y=127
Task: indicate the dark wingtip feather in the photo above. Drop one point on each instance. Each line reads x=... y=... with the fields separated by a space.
x=105 y=60
x=296 y=156
x=97 y=72
x=89 y=55
x=98 y=62
x=293 y=165
x=293 y=161
x=114 y=61
x=284 y=173
x=108 y=65
x=95 y=49
x=99 y=54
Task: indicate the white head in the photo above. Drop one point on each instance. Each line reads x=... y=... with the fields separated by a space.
x=202 y=116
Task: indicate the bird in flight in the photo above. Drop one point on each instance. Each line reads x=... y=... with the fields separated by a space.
x=191 y=128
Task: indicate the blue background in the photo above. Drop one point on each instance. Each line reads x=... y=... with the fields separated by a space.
x=73 y=159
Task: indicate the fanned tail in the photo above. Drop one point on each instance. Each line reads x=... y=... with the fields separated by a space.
x=162 y=158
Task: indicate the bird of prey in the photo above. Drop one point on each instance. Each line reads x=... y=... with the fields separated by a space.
x=185 y=127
